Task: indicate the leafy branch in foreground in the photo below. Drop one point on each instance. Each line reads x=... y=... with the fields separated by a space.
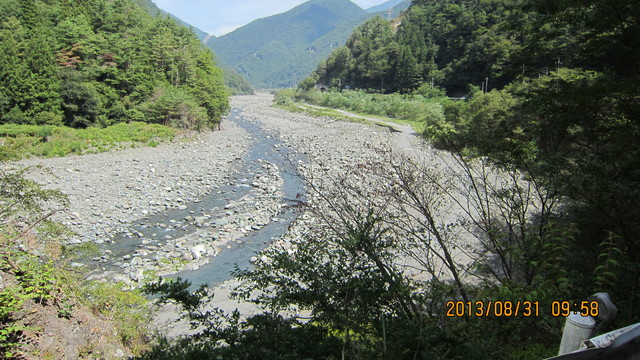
x=231 y=336
x=25 y=209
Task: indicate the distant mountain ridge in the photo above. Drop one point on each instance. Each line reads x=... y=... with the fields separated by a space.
x=280 y=50
x=153 y=10
x=396 y=7
x=385 y=6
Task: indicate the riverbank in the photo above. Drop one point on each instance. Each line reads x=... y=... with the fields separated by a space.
x=108 y=190
x=334 y=145
x=115 y=192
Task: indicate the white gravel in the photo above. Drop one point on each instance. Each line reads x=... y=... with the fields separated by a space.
x=110 y=189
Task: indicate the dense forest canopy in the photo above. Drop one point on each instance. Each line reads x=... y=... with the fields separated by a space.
x=99 y=62
x=454 y=44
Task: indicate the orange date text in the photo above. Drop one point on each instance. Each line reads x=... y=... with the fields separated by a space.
x=492 y=308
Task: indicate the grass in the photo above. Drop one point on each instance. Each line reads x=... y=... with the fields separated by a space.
x=23 y=141
x=316 y=112
x=414 y=110
x=417 y=126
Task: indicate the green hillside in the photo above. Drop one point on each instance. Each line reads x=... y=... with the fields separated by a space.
x=236 y=83
x=154 y=10
x=280 y=50
x=99 y=62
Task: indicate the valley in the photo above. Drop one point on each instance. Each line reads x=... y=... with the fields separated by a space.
x=443 y=155
x=142 y=196
x=150 y=213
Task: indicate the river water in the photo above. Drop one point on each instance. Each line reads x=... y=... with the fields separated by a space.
x=152 y=231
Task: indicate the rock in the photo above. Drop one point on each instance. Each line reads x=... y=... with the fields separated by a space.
x=198 y=251
x=187 y=256
x=200 y=221
x=219 y=222
x=137 y=275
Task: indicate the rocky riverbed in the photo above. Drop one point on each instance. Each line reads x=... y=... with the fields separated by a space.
x=155 y=201
x=111 y=193
x=332 y=145
x=146 y=194
x=109 y=190
x=197 y=202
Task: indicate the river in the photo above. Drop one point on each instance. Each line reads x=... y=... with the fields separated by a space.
x=141 y=243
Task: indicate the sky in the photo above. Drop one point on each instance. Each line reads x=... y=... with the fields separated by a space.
x=218 y=17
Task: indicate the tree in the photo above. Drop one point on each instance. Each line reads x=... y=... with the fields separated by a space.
x=372 y=45
x=408 y=73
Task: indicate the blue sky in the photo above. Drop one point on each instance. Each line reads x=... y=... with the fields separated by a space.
x=218 y=17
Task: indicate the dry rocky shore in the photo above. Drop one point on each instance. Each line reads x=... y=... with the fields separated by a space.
x=111 y=191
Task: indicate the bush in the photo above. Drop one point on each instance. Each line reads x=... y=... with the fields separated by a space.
x=30 y=140
x=420 y=111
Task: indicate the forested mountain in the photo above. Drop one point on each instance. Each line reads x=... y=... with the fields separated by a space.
x=398 y=9
x=454 y=44
x=236 y=83
x=154 y=10
x=280 y=50
x=99 y=62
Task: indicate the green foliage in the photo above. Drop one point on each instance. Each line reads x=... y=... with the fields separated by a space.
x=609 y=260
x=48 y=141
x=221 y=335
x=22 y=210
x=100 y=63
x=237 y=83
x=127 y=309
x=443 y=43
x=370 y=45
x=29 y=280
x=363 y=62
x=420 y=112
